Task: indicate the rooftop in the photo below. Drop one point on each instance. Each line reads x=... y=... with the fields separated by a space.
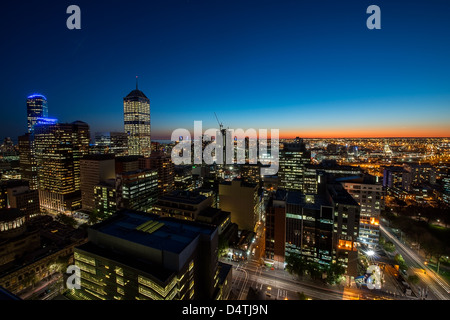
x=309 y=201
x=188 y=197
x=340 y=195
x=157 y=272
x=136 y=94
x=173 y=236
x=10 y=214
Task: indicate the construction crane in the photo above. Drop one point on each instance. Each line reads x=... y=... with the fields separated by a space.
x=220 y=124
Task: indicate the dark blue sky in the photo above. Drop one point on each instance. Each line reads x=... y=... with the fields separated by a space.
x=308 y=68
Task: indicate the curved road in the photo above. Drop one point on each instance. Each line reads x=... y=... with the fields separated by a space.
x=438 y=286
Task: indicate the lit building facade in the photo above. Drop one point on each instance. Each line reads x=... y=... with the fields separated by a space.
x=293 y=160
x=105 y=198
x=27 y=160
x=36 y=108
x=59 y=149
x=94 y=169
x=136 y=110
x=184 y=205
x=243 y=201
x=139 y=256
x=137 y=190
x=370 y=196
x=165 y=167
x=346 y=227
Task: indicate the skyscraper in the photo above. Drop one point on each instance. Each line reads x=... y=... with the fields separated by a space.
x=136 y=113
x=293 y=160
x=27 y=160
x=36 y=108
x=59 y=148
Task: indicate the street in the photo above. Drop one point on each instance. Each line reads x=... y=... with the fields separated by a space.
x=437 y=286
x=278 y=284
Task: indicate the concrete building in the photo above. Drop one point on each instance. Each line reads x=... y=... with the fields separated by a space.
x=346 y=228
x=165 y=167
x=93 y=170
x=137 y=190
x=138 y=256
x=275 y=237
x=243 y=201
x=184 y=205
x=105 y=198
x=369 y=194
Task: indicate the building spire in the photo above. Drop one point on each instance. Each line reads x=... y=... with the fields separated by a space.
x=136 y=82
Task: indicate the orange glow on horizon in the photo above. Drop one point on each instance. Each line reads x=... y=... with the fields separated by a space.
x=401 y=132
x=436 y=132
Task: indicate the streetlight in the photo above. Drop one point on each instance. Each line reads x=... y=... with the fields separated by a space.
x=370 y=253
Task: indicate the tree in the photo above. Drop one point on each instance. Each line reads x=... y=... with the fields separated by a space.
x=334 y=273
x=223 y=246
x=401 y=262
x=67 y=220
x=296 y=264
x=414 y=279
x=302 y=296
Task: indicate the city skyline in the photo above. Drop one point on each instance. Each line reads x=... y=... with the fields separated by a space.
x=309 y=70
x=331 y=182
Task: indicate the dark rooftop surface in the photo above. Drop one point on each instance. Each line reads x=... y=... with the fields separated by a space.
x=298 y=198
x=155 y=271
x=173 y=236
x=189 y=197
x=340 y=195
x=6 y=295
x=10 y=214
x=243 y=183
x=136 y=94
x=98 y=157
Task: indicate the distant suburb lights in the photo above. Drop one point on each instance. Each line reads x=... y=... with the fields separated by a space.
x=74 y=20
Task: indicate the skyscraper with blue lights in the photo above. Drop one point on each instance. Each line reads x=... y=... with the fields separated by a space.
x=36 y=108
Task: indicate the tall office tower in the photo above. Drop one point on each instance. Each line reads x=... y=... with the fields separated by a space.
x=368 y=192
x=345 y=228
x=309 y=227
x=137 y=190
x=27 y=160
x=94 y=169
x=165 y=167
x=322 y=228
x=293 y=160
x=275 y=237
x=141 y=256
x=59 y=149
x=36 y=108
x=136 y=112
